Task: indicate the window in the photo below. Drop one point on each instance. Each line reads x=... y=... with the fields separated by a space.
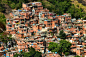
x=20 y=27
x=10 y=25
x=16 y=24
x=23 y=26
x=43 y=27
x=76 y=30
x=22 y=23
x=24 y=30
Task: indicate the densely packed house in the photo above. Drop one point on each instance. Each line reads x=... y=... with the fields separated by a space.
x=32 y=25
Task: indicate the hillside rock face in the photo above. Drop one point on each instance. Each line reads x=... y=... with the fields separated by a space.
x=7 y=9
x=82 y=1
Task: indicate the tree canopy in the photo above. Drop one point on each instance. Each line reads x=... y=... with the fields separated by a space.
x=2 y=20
x=77 y=56
x=62 y=35
x=32 y=53
x=63 y=47
x=65 y=6
x=4 y=38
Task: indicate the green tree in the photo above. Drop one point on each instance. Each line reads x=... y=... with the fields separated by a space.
x=62 y=35
x=77 y=56
x=38 y=54
x=65 y=6
x=16 y=55
x=2 y=20
x=12 y=5
x=27 y=54
x=31 y=53
x=2 y=9
x=63 y=47
x=52 y=46
x=75 y=12
x=4 y=38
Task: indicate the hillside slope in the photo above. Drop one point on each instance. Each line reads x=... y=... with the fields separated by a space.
x=82 y=1
x=79 y=5
x=7 y=10
x=77 y=10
